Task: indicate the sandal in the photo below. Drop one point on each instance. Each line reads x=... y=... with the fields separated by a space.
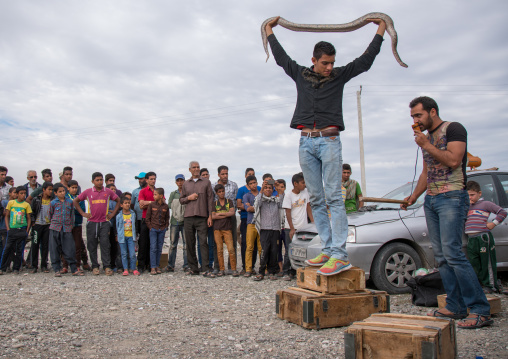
x=208 y=275
x=78 y=273
x=58 y=274
x=273 y=277
x=220 y=274
x=438 y=314
x=479 y=322
x=259 y=277
x=158 y=270
x=191 y=272
x=247 y=274
x=34 y=270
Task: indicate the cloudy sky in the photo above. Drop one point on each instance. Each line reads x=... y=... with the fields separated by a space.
x=130 y=86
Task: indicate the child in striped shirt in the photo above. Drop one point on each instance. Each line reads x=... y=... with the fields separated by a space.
x=481 y=248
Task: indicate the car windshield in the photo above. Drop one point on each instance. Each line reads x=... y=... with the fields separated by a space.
x=401 y=193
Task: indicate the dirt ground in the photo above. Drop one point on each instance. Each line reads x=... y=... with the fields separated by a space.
x=176 y=316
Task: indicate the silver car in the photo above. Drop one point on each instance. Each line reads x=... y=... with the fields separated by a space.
x=389 y=244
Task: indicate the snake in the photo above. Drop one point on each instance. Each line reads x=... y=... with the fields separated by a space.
x=350 y=26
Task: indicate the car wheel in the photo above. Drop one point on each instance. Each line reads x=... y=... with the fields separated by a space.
x=393 y=266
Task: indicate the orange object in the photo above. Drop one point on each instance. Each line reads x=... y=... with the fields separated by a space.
x=473 y=161
x=416 y=127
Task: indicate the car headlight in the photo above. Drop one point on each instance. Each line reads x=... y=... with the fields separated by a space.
x=351 y=234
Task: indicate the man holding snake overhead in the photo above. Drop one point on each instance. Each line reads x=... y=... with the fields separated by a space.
x=318 y=115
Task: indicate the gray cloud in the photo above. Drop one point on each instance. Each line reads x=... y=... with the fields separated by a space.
x=131 y=86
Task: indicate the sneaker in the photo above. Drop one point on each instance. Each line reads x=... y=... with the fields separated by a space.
x=334 y=266
x=320 y=260
x=125 y=272
x=108 y=271
x=96 y=271
x=135 y=272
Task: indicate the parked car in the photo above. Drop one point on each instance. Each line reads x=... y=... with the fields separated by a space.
x=389 y=244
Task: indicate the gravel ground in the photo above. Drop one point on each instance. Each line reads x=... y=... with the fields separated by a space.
x=176 y=316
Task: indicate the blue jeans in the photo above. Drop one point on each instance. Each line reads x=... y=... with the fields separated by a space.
x=446 y=215
x=321 y=161
x=128 y=253
x=175 y=233
x=156 y=242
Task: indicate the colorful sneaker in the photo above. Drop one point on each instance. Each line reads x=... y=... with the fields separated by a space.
x=318 y=261
x=334 y=266
x=125 y=272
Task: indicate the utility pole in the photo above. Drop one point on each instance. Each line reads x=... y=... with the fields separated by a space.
x=360 y=131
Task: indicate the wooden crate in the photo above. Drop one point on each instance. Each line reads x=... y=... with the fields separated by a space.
x=313 y=310
x=345 y=282
x=400 y=336
x=495 y=303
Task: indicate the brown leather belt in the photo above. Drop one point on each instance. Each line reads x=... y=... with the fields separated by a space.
x=325 y=133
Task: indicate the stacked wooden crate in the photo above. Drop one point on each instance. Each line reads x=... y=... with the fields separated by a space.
x=400 y=336
x=329 y=301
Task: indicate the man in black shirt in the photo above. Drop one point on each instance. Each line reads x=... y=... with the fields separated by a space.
x=318 y=115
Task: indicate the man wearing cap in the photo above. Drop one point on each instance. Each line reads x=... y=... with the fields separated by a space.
x=134 y=202
x=176 y=229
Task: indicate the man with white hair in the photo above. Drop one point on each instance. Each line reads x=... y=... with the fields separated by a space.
x=197 y=195
x=32 y=183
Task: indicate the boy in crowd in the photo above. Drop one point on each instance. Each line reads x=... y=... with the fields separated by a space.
x=353 y=191
x=4 y=186
x=114 y=251
x=145 y=197
x=61 y=241
x=126 y=231
x=252 y=233
x=157 y=220
x=97 y=227
x=243 y=220
x=3 y=227
x=481 y=248
x=284 y=264
x=110 y=179
x=17 y=221
x=176 y=229
x=222 y=212
x=41 y=215
x=267 y=220
x=77 y=228
x=297 y=207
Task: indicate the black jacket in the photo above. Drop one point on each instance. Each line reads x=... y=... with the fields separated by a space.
x=319 y=100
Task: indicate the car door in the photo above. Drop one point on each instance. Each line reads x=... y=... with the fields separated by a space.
x=500 y=232
x=494 y=187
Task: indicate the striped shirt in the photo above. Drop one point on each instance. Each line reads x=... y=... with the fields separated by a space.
x=62 y=215
x=479 y=214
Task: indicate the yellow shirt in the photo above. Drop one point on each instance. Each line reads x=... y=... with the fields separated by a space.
x=127 y=225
